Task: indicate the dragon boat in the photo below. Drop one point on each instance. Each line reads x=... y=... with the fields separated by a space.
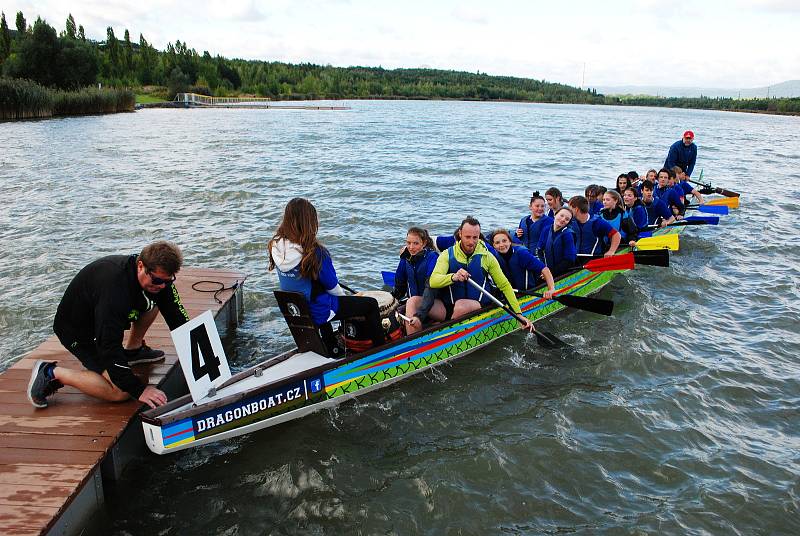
x=304 y=380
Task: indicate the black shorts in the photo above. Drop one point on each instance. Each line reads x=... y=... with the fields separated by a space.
x=87 y=354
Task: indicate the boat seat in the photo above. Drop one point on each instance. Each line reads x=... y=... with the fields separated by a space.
x=307 y=335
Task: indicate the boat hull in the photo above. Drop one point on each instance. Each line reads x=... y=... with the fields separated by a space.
x=280 y=399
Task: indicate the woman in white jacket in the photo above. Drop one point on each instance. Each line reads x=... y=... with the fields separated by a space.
x=304 y=265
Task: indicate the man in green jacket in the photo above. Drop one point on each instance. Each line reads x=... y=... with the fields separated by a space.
x=470 y=259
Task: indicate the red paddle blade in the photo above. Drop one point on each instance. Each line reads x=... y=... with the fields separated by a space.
x=617 y=262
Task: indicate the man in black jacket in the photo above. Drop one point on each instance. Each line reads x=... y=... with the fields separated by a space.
x=102 y=301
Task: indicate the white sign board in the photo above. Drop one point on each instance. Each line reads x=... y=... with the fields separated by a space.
x=201 y=355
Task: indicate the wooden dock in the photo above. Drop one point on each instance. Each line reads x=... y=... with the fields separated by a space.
x=54 y=461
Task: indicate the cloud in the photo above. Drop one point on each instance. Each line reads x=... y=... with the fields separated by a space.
x=470 y=15
x=773 y=6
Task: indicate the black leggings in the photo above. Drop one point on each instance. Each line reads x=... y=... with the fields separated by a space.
x=350 y=306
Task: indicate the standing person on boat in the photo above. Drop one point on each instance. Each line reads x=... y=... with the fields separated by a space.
x=470 y=259
x=107 y=297
x=304 y=265
x=615 y=215
x=593 y=235
x=634 y=209
x=657 y=210
x=557 y=244
x=520 y=266
x=530 y=227
x=668 y=194
x=417 y=261
x=554 y=200
x=683 y=153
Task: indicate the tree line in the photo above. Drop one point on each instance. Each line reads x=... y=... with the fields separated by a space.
x=68 y=60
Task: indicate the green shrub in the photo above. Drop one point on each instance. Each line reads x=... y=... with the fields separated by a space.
x=23 y=99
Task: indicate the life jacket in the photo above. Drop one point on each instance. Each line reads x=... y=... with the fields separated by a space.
x=615 y=222
x=287 y=259
x=637 y=214
x=460 y=290
x=417 y=272
x=520 y=278
x=553 y=253
x=531 y=230
x=585 y=239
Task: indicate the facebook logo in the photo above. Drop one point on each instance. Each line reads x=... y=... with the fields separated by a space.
x=316 y=385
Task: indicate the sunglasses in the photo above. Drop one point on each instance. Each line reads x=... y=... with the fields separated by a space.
x=157 y=280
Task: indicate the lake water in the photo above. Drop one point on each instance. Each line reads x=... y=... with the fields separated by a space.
x=678 y=415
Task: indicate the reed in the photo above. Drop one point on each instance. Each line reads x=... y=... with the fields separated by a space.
x=24 y=99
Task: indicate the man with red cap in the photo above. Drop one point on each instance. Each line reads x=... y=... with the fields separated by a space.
x=682 y=153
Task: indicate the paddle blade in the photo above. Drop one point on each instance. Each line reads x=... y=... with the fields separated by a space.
x=388 y=278
x=645 y=234
x=727 y=193
x=548 y=340
x=593 y=305
x=656 y=257
x=711 y=209
x=669 y=241
x=703 y=220
x=617 y=262
x=730 y=202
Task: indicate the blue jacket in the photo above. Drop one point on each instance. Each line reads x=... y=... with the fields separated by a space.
x=412 y=273
x=557 y=249
x=637 y=214
x=531 y=230
x=670 y=196
x=590 y=237
x=681 y=155
x=521 y=268
x=321 y=293
x=595 y=208
x=655 y=210
x=619 y=220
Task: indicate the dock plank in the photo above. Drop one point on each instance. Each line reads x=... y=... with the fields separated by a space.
x=47 y=455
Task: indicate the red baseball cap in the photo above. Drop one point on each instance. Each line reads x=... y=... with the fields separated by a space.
x=688 y=134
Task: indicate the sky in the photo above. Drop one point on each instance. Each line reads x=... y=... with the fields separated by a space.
x=713 y=44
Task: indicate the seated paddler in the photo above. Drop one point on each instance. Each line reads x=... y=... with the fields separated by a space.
x=593 y=235
x=468 y=259
x=520 y=266
x=417 y=261
x=556 y=248
x=304 y=265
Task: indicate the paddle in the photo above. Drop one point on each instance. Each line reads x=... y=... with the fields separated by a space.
x=606 y=264
x=584 y=303
x=669 y=241
x=730 y=202
x=708 y=189
x=709 y=209
x=388 y=278
x=545 y=339
x=691 y=220
x=658 y=257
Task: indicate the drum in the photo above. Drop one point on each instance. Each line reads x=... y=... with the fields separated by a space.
x=355 y=329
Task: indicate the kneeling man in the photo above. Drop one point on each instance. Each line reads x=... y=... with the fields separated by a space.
x=102 y=301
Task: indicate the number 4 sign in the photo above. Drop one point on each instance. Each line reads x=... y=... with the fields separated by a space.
x=201 y=355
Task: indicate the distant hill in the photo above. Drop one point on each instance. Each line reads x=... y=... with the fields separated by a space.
x=788 y=89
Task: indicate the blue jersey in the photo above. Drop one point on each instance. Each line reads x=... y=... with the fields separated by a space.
x=655 y=210
x=531 y=230
x=681 y=155
x=557 y=249
x=637 y=214
x=590 y=237
x=412 y=273
x=521 y=268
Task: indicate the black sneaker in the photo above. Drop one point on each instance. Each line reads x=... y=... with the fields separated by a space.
x=143 y=355
x=41 y=385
